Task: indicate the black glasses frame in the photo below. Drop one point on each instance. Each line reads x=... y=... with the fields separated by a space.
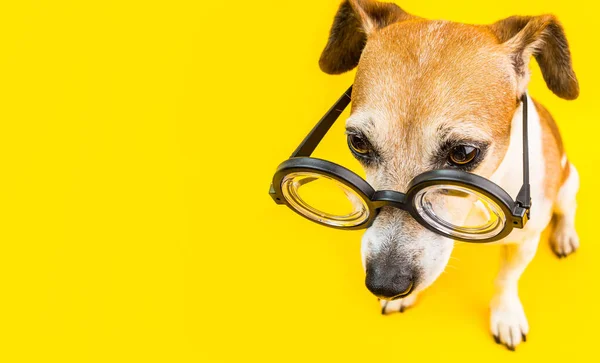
x=516 y=211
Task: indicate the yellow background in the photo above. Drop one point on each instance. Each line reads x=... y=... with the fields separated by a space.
x=137 y=143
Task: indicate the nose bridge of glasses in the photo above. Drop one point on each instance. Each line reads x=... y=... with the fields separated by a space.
x=390 y=198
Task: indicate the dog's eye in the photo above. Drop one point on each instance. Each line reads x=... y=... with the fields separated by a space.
x=358 y=145
x=463 y=154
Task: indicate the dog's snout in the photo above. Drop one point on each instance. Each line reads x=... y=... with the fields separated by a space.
x=389 y=284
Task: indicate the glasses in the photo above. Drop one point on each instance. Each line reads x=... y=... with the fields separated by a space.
x=453 y=203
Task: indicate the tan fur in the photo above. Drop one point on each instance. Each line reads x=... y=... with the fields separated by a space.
x=556 y=174
x=553 y=149
x=415 y=84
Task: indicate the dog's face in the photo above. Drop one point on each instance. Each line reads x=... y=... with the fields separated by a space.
x=431 y=95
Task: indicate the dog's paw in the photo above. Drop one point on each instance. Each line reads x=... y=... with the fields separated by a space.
x=508 y=322
x=564 y=240
x=397 y=306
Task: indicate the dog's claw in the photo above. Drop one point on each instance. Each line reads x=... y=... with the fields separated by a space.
x=510 y=346
x=383 y=308
x=560 y=255
x=401 y=308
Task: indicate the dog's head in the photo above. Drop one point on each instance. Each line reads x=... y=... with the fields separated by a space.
x=431 y=95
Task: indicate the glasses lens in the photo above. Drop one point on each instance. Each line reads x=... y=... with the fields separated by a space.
x=460 y=212
x=324 y=199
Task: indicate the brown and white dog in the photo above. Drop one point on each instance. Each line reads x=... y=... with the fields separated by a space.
x=422 y=85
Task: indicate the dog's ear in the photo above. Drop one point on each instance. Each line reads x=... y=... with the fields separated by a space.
x=544 y=38
x=354 y=21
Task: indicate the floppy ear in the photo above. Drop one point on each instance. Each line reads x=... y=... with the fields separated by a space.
x=544 y=38
x=354 y=21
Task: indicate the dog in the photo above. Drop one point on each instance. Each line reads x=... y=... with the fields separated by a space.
x=422 y=84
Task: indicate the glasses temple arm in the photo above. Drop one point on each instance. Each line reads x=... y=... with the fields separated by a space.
x=314 y=137
x=524 y=196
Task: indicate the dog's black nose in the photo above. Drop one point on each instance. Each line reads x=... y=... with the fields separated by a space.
x=389 y=284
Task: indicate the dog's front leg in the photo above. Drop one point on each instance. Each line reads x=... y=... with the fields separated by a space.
x=508 y=322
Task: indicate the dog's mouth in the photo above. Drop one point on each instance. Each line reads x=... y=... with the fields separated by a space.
x=404 y=293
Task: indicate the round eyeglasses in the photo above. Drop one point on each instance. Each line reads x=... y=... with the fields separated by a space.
x=453 y=203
